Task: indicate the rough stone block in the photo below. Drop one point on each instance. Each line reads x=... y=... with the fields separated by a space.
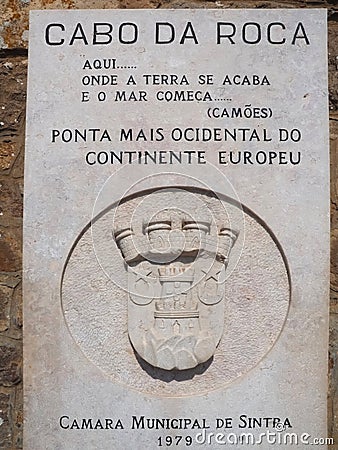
x=10 y=357
x=6 y=409
x=10 y=249
x=7 y=155
x=5 y=306
x=12 y=201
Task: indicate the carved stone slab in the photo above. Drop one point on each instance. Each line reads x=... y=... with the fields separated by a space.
x=176 y=228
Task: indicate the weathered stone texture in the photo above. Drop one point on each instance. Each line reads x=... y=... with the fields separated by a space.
x=11 y=418
x=333 y=376
x=10 y=367
x=334 y=212
x=333 y=348
x=333 y=62
x=13 y=68
x=17 y=417
x=6 y=405
x=12 y=114
x=5 y=303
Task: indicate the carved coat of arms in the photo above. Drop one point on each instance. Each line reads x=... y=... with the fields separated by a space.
x=176 y=281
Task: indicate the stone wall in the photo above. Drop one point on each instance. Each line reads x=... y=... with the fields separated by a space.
x=13 y=76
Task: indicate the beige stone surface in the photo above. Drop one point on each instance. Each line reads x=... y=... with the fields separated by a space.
x=13 y=68
x=276 y=201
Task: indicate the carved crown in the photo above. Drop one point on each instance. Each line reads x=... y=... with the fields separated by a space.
x=167 y=236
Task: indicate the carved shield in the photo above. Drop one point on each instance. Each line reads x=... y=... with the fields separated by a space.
x=176 y=289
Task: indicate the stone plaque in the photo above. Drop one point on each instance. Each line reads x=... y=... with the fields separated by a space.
x=176 y=231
